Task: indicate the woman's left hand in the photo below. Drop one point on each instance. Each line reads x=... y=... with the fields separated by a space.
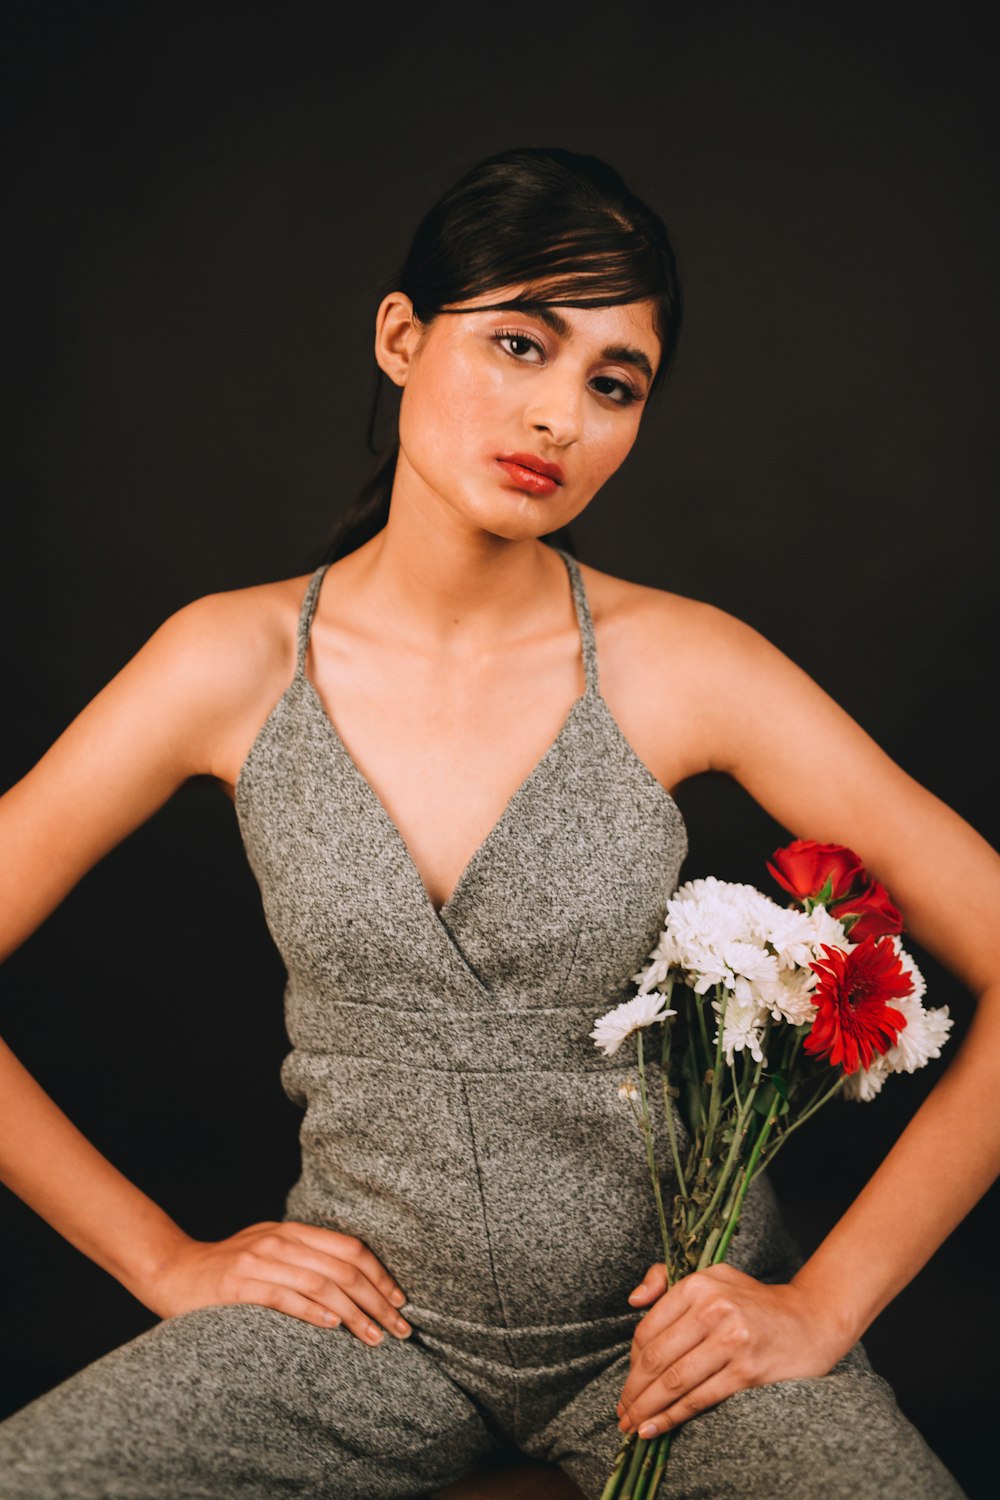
x=715 y=1332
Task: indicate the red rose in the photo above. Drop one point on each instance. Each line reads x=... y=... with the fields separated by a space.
x=804 y=868
x=853 y=1022
x=875 y=913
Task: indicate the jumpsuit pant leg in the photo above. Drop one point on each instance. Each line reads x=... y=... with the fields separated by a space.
x=840 y=1436
x=244 y=1402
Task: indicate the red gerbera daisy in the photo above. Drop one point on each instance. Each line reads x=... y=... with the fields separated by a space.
x=853 y=1022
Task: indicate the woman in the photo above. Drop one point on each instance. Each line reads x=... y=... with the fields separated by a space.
x=449 y=750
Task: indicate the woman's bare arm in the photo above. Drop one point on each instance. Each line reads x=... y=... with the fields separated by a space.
x=119 y=760
x=168 y=715
x=765 y=722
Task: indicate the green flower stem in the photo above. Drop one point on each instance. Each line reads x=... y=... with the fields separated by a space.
x=663 y=1451
x=667 y=994
x=698 y=1001
x=715 y=1096
x=612 y=1489
x=736 y=1089
x=693 y=1103
x=668 y=1107
x=668 y=1110
x=628 y=1490
x=650 y=1154
x=736 y=1146
x=646 y=1472
x=746 y=1179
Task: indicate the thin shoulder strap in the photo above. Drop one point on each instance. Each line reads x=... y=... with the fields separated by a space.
x=309 y=602
x=587 y=642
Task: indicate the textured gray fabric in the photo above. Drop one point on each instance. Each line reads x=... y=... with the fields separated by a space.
x=460 y=1121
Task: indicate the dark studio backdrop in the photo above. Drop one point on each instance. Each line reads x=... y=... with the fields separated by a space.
x=201 y=205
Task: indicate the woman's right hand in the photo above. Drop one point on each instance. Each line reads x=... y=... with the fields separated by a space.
x=315 y=1274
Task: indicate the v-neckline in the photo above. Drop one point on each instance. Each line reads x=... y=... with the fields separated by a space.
x=439 y=913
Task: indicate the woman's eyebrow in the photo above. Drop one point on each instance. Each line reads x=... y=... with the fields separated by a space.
x=623 y=353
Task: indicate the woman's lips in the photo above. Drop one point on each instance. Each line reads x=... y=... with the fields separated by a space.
x=529 y=480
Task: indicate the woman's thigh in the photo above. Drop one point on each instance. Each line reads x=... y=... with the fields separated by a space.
x=837 y=1437
x=248 y=1403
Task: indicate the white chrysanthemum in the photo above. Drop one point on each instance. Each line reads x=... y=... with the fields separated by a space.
x=921 y=1038
x=705 y=914
x=791 y=998
x=743 y=1028
x=798 y=937
x=751 y=962
x=792 y=936
x=719 y=932
x=715 y=931
x=643 y=1010
x=909 y=967
x=652 y=975
x=751 y=973
x=829 y=930
x=864 y=1084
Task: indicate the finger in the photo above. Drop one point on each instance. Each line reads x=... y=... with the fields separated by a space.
x=284 y=1299
x=699 y=1294
x=348 y=1247
x=653 y=1284
x=348 y=1293
x=338 y=1311
x=650 y=1362
x=331 y=1272
x=666 y=1313
x=709 y=1393
x=672 y=1387
x=712 y=1316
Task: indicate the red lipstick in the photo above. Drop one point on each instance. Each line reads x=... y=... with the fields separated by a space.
x=531 y=474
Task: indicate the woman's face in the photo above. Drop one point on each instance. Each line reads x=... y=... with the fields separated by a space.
x=561 y=386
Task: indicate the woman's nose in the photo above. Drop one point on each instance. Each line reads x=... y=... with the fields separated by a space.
x=556 y=407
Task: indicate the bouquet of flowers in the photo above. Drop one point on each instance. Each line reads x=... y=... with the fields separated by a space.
x=766 y=1013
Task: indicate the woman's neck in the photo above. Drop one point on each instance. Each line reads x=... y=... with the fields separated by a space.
x=452 y=585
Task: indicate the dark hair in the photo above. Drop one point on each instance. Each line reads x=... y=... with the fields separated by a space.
x=562 y=223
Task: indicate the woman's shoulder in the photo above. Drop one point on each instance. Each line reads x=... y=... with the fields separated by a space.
x=645 y=620
x=235 y=634
x=236 y=648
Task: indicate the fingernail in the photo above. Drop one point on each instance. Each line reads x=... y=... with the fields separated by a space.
x=374 y=1335
x=640 y=1289
x=403 y=1328
x=397 y=1298
x=647 y=1430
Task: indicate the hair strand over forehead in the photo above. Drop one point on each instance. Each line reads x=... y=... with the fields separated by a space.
x=560 y=224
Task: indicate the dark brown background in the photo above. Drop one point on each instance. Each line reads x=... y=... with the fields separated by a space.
x=200 y=210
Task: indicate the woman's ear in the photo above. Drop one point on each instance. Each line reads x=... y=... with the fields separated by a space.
x=397 y=334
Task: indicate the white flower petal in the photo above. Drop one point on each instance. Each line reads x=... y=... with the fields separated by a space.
x=864 y=1084
x=610 y=1030
x=921 y=1038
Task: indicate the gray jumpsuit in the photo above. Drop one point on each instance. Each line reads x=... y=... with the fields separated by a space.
x=459 y=1120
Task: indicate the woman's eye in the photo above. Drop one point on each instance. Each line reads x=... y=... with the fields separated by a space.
x=507 y=336
x=626 y=393
x=521 y=344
